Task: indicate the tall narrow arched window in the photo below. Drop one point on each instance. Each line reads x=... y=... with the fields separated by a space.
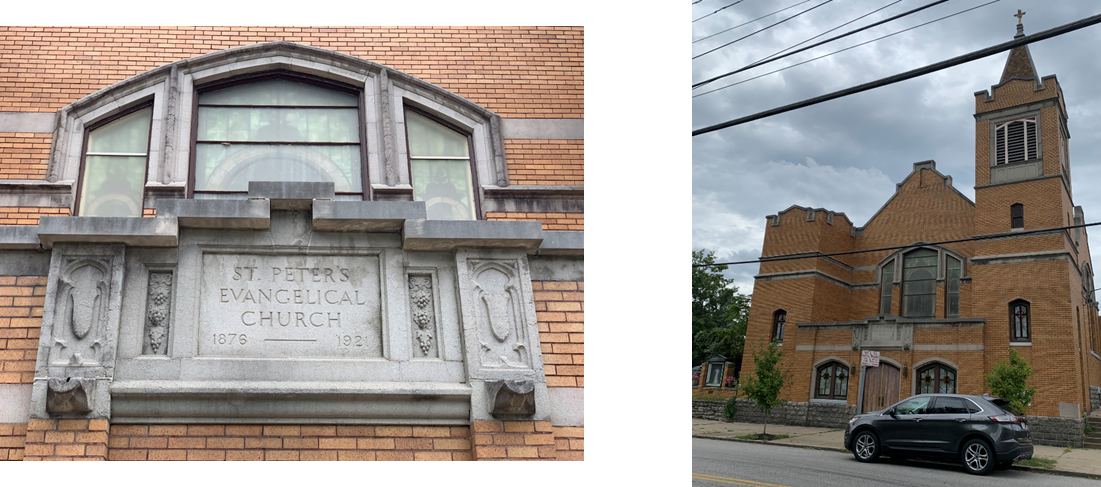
x=779 y=318
x=831 y=381
x=1015 y=141
x=919 y=284
x=116 y=155
x=936 y=379
x=277 y=127
x=952 y=291
x=1020 y=321
x=887 y=278
x=440 y=167
x=1017 y=216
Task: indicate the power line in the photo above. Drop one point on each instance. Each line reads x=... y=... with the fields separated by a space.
x=835 y=52
x=990 y=51
x=815 y=255
x=770 y=59
x=767 y=59
x=762 y=30
x=750 y=22
x=717 y=11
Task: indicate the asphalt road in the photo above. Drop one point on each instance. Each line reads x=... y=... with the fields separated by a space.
x=717 y=463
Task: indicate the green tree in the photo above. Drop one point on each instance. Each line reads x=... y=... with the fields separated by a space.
x=1009 y=381
x=719 y=312
x=763 y=386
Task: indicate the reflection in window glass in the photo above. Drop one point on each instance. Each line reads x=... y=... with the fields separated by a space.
x=937 y=378
x=885 y=284
x=440 y=165
x=277 y=130
x=114 y=167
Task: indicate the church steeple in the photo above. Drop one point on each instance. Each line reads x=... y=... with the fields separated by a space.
x=1019 y=64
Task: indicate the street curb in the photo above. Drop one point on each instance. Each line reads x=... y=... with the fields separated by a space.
x=1065 y=473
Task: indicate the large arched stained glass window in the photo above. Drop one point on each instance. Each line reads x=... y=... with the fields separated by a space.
x=439 y=162
x=277 y=128
x=832 y=381
x=937 y=379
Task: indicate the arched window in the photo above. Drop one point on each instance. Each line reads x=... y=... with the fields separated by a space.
x=116 y=155
x=778 y=320
x=440 y=166
x=936 y=379
x=831 y=381
x=1015 y=141
x=952 y=291
x=887 y=279
x=1020 y=321
x=1017 y=216
x=919 y=284
x=278 y=126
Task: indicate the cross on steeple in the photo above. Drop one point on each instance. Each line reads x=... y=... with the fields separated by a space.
x=1019 y=15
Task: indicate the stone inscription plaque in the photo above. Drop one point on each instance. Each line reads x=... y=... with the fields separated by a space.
x=265 y=305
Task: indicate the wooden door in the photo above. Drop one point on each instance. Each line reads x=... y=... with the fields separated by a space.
x=881 y=387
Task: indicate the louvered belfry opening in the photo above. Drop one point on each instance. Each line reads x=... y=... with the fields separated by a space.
x=1016 y=141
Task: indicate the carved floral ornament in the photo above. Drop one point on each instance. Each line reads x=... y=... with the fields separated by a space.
x=158 y=308
x=420 y=297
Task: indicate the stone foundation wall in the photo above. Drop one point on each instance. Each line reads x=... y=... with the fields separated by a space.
x=1056 y=431
x=1095 y=398
x=815 y=414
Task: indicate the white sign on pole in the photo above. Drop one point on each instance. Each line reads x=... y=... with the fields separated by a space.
x=869 y=358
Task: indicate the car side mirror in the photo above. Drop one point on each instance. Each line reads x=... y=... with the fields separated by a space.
x=892 y=413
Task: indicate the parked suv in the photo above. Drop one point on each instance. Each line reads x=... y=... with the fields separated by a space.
x=976 y=430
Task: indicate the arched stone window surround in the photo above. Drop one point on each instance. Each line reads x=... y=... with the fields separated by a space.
x=1010 y=304
x=172 y=87
x=932 y=360
x=778 y=326
x=814 y=376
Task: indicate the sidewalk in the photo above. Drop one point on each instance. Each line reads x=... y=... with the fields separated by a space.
x=1077 y=462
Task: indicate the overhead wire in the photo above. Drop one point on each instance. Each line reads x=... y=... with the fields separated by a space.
x=770 y=59
x=835 y=52
x=750 y=22
x=815 y=255
x=761 y=30
x=717 y=11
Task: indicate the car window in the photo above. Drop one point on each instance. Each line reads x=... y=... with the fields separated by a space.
x=915 y=405
x=972 y=407
x=949 y=405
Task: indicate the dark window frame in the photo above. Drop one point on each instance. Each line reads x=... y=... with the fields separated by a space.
x=836 y=368
x=886 y=286
x=1017 y=216
x=294 y=76
x=948 y=312
x=84 y=151
x=938 y=377
x=936 y=269
x=407 y=106
x=1025 y=337
x=779 y=320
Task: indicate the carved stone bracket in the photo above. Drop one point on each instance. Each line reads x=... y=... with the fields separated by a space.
x=69 y=395
x=511 y=399
x=158 y=310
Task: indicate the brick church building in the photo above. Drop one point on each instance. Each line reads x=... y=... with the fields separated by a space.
x=292 y=243
x=942 y=315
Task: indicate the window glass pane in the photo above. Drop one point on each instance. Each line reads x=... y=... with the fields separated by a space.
x=112 y=186
x=445 y=188
x=927 y=380
x=824 y=376
x=919 y=287
x=953 y=305
x=841 y=388
x=714 y=374
x=129 y=134
x=221 y=167
x=888 y=276
x=279 y=92
x=913 y=406
x=920 y=306
x=947 y=381
x=279 y=124
x=430 y=139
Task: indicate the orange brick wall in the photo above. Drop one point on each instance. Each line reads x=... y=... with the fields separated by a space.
x=21 y=301
x=66 y=439
x=569 y=442
x=24 y=156
x=532 y=72
x=553 y=162
x=514 y=440
x=13 y=437
x=288 y=442
x=550 y=221
x=28 y=215
x=560 y=311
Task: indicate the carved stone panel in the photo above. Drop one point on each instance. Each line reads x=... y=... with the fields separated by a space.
x=422 y=310
x=158 y=310
x=502 y=330
x=80 y=311
x=883 y=334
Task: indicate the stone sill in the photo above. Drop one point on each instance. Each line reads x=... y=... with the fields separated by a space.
x=441 y=235
x=139 y=232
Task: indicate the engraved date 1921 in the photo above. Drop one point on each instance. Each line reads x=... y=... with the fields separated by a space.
x=229 y=339
x=351 y=340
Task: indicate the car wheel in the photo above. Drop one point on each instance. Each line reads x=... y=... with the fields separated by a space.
x=977 y=457
x=866 y=446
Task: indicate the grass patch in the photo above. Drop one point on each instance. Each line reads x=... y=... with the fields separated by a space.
x=1068 y=449
x=758 y=436
x=1037 y=462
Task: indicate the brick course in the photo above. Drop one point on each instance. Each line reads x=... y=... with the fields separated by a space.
x=560 y=311
x=550 y=221
x=23 y=155
x=550 y=162
x=21 y=303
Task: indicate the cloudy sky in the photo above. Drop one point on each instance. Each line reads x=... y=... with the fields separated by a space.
x=846 y=155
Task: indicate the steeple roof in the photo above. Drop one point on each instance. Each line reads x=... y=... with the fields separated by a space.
x=1019 y=64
